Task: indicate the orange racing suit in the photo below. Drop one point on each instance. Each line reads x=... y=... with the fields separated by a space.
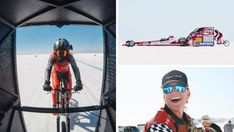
x=60 y=70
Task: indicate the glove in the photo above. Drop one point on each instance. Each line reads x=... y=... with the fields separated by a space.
x=78 y=86
x=46 y=86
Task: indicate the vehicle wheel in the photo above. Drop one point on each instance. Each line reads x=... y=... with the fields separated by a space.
x=64 y=129
x=226 y=43
x=184 y=44
x=127 y=43
x=130 y=43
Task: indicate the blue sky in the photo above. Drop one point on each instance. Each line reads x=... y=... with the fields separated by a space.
x=139 y=92
x=155 y=19
x=40 y=39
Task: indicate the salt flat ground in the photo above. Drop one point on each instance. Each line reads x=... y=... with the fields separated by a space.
x=31 y=70
x=175 y=55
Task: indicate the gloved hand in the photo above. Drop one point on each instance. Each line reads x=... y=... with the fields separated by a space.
x=46 y=86
x=78 y=86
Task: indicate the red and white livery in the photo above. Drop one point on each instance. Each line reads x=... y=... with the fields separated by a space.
x=204 y=36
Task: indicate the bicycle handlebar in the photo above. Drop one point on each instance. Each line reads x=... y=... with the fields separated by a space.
x=64 y=90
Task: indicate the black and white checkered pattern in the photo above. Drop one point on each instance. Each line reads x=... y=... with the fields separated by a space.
x=159 y=127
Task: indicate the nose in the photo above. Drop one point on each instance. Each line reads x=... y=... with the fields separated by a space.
x=174 y=89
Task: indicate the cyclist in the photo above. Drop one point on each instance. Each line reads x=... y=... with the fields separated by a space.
x=218 y=36
x=58 y=68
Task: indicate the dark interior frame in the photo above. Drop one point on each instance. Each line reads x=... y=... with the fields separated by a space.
x=21 y=13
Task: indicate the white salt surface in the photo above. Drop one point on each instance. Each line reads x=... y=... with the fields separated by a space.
x=175 y=55
x=31 y=70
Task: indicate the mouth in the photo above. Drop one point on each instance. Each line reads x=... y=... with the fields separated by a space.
x=175 y=99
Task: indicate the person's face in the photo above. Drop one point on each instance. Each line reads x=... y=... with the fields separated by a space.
x=176 y=100
x=206 y=124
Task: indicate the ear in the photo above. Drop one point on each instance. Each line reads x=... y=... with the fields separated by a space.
x=188 y=93
x=70 y=46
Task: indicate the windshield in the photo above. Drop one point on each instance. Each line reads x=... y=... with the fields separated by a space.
x=196 y=30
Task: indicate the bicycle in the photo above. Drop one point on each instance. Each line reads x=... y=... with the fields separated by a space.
x=226 y=43
x=62 y=97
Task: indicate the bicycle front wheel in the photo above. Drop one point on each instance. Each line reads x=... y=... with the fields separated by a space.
x=226 y=43
x=64 y=126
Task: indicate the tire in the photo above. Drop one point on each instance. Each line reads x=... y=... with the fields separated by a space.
x=63 y=124
x=58 y=117
x=64 y=127
x=184 y=45
x=130 y=43
x=67 y=118
x=226 y=43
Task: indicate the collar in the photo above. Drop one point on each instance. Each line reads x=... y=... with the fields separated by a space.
x=177 y=120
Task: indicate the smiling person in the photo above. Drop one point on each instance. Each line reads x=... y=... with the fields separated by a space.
x=209 y=125
x=172 y=118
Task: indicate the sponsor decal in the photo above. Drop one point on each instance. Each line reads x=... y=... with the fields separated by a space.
x=207 y=31
x=146 y=43
x=167 y=121
x=198 y=40
x=208 y=38
x=205 y=44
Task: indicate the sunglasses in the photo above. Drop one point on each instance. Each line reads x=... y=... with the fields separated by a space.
x=180 y=87
x=61 y=53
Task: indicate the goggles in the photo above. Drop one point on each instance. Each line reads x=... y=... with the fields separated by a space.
x=180 y=87
x=61 y=53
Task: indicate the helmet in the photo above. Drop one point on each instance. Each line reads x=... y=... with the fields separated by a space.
x=61 y=44
x=62 y=47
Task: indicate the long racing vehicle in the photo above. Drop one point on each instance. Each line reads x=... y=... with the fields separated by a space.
x=204 y=36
